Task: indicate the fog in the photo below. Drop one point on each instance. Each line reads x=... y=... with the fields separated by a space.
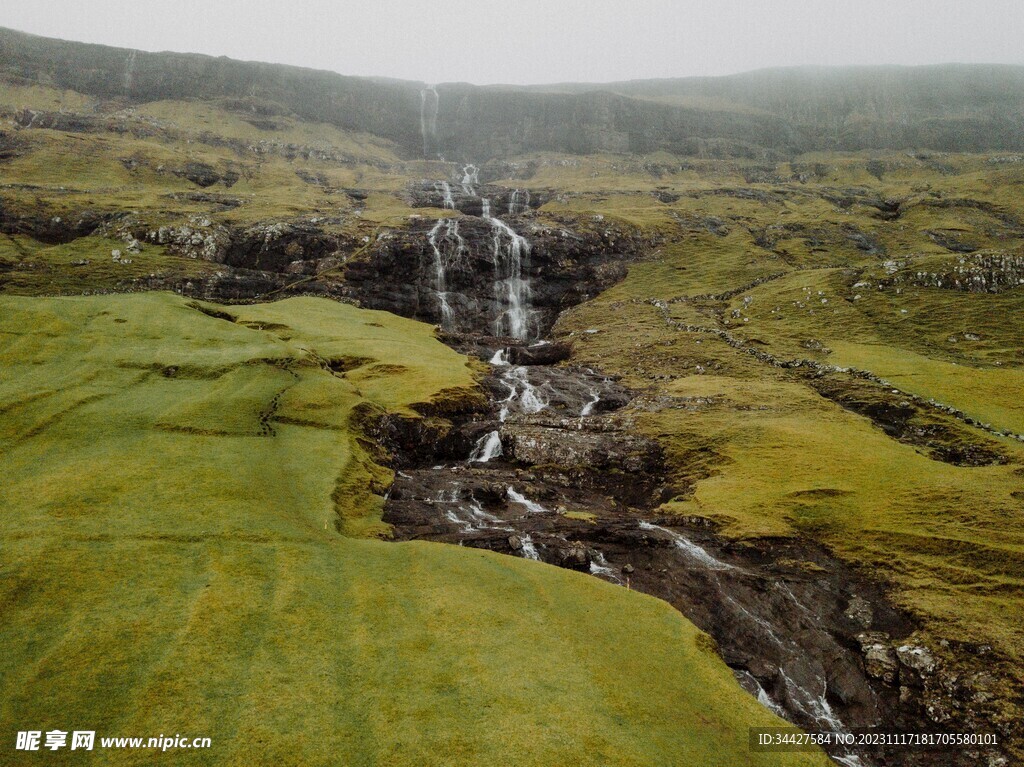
x=544 y=41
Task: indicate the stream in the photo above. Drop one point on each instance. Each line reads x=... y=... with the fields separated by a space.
x=555 y=471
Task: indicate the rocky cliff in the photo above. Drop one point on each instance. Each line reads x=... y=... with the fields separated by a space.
x=769 y=114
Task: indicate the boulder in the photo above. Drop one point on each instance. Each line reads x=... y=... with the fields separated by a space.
x=880 y=660
x=544 y=354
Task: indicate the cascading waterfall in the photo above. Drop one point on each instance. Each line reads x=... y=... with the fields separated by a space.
x=798 y=689
x=519 y=202
x=429 y=106
x=530 y=549
x=521 y=392
x=449 y=249
x=446 y=194
x=510 y=253
x=531 y=506
x=799 y=693
x=470 y=179
x=690 y=548
x=599 y=566
x=487 y=448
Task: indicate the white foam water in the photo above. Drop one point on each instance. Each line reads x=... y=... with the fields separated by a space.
x=487 y=448
x=588 y=408
x=688 y=547
x=519 y=202
x=446 y=194
x=599 y=566
x=470 y=179
x=449 y=249
x=510 y=254
x=530 y=549
x=522 y=500
x=522 y=392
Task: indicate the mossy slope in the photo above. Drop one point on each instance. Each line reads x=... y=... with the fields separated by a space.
x=171 y=563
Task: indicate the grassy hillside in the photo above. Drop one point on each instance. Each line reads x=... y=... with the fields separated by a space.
x=761 y=274
x=175 y=479
x=827 y=348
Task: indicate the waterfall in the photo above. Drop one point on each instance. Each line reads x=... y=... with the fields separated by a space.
x=129 y=72
x=519 y=202
x=690 y=548
x=470 y=178
x=449 y=249
x=520 y=391
x=446 y=194
x=487 y=447
x=522 y=500
x=510 y=253
x=530 y=549
x=429 y=105
x=599 y=566
x=588 y=408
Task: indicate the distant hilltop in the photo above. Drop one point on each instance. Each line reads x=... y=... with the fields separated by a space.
x=769 y=114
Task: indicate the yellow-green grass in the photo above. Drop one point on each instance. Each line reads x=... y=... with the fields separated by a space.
x=903 y=337
x=28 y=267
x=759 y=451
x=991 y=395
x=198 y=119
x=172 y=563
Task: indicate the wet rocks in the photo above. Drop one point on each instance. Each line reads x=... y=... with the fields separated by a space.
x=565 y=266
x=574 y=556
x=539 y=354
x=577 y=449
x=880 y=659
x=466 y=198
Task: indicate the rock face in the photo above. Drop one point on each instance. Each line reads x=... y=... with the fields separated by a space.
x=762 y=114
x=564 y=444
x=565 y=267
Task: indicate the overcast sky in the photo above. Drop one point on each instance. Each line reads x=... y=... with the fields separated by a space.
x=542 y=41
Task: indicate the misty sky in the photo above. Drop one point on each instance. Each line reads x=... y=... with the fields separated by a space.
x=542 y=41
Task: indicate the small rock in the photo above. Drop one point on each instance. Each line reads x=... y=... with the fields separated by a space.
x=859 y=611
x=627 y=568
x=916 y=657
x=880 y=661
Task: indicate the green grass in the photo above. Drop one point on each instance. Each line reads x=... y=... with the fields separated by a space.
x=172 y=563
x=86 y=264
x=759 y=451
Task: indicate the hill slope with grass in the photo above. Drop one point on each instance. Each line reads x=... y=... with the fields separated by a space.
x=825 y=346
x=175 y=477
